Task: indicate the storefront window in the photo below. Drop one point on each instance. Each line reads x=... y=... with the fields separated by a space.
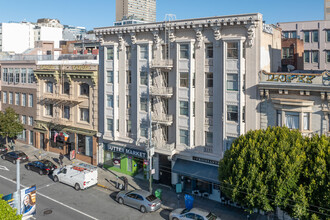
x=116 y=159
x=85 y=145
x=129 y=164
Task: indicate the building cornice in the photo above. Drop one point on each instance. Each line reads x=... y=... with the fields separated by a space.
x=244 y=19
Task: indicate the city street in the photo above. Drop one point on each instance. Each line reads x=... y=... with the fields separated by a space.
x=59 y=201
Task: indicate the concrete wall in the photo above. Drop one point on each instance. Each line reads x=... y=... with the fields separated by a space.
x=16 y=37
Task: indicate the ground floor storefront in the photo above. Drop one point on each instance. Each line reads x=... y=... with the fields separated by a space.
x=198 y=177
x=72 y=142
x=126 y=159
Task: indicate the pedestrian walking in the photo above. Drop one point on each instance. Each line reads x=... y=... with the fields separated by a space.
x=61 y=157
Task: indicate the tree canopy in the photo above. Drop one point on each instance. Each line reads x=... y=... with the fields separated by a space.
x=7 y=212
x=10 y=126
x=278 y=167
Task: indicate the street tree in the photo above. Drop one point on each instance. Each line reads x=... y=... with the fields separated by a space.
x=277 y=167
x=10 y=125
x=7 y=212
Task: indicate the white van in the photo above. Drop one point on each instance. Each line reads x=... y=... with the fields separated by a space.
x=79 y=176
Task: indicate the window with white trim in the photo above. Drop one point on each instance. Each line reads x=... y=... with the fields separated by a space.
x=144 y=52
x=109 y=53
x=11 y=97
x=49 y=87
x=184 y=79
x=110 y=124
x=16 y=98
x=4 y=97
x=184 y=136
x=30 y=100
x=84 y=114
x=306 y=116
x=109 y=76
x=110 y=101
x=184 y=51
x=279 y=118
x=23 y=99
x=209 y=109
x=208 y=80
x=184 y=108
x=144 y=104
x=23 y=75
x=209 y=51
x=30 y=121
x=232 y=113
x=232 y=82
x=17 y=75
x=49 y=109
x=208 y=138
x=232 y=50
x=143 y=78
x=292 y=120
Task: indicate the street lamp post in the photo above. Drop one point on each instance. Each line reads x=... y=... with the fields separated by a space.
x=18 y=187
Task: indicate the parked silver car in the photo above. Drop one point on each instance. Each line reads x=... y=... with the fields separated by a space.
x=140 y=199
x=194 y=213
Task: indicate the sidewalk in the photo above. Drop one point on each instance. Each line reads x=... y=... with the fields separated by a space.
x=107 y=179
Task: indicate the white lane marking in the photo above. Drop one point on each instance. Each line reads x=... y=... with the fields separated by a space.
x=47 y=197
x=3 y=168
x=41 y=187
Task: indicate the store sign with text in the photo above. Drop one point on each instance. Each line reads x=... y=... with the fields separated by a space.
x=126 y=150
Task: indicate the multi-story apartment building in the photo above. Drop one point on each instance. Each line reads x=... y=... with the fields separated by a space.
x=297 y=100
x=67 y=107
x=139 y=9
x=316 y=37
x=196 y=79
x=19 y=91
x=326 y=9
x=292 y=54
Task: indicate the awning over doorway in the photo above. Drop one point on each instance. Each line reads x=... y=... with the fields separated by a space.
x=196 y=170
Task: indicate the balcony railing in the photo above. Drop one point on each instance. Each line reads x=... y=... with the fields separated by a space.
x=49 y=57
x=164 y=91
x=162 y=63
x=162 y=118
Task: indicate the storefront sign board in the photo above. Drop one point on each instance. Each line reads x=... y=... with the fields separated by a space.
x=214 y=162
x=128 y=151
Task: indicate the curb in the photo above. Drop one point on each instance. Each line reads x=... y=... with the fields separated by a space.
x=104 y=187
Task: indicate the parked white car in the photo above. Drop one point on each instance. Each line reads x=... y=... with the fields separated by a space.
x=194 y=213
x=79 y=176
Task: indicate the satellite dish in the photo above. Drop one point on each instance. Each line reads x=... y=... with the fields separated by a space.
x=290 y=67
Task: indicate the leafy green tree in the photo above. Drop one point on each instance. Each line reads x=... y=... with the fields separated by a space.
x=10 y=126
x=277 y=167
x=7 y=212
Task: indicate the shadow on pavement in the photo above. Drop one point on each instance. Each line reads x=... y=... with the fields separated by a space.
x=113 y=196
x=165 y=213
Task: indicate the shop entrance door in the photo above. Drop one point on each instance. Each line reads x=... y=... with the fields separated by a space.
x=42 y=141
x=165 y=170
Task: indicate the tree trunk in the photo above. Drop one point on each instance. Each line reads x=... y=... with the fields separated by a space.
x=7 y=140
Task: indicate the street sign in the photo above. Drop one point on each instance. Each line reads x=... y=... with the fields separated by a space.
x=3 y=168
x=152 y=151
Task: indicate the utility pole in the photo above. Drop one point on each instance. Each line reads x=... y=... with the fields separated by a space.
x=18 y=187
x=150 y=149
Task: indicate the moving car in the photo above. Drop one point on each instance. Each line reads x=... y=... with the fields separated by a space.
x=41 y=166
x=14 y=155
x=194 y=213
x=140 y=199
x=79 y=176
x=3 y=149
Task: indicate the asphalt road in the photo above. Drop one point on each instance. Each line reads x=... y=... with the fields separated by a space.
x=59 y=201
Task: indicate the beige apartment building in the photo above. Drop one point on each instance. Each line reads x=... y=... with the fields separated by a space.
x=19 y=91
x=67 y=108
x=144 y=10
x=196 y=79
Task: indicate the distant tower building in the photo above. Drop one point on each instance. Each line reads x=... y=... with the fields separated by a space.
x=326 y=9
x=138 y=9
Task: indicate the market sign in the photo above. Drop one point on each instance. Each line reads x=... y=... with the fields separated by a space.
x=127 y=150
x=199 y=159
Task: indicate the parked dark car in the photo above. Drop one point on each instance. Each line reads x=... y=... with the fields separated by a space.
x=13 y=155
x=3 y=149
x=41 y=166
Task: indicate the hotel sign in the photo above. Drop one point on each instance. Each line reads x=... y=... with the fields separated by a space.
x=68 y=67
x=127 y=150
x=199 y=159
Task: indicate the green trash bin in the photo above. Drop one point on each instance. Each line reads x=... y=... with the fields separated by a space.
x=158 y=193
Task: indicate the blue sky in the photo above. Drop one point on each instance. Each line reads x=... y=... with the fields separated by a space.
x=101 y=13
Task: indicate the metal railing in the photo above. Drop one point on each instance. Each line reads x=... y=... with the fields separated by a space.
x=162 y=63
x=49 y=57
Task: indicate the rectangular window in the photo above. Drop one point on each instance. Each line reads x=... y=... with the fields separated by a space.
x=209 y=80
x=143 y=104
x=184 y=51
x=306 y=121
x=315 y=56
x=117 y=129
x=184 y=110
x=143 y=78
x=23 y=99
x=22 y=136
x=110 y=124
x=109 y=76
x=109 y=53
x=30 y=100
x=110 y=101
x=129 y=76
x=30 y=121
x=328 y=56
x=128 y=127
x=4 y=97
x=232 y=113
x=232 y=82
x=292 y=120
x=11 y=75
x=5 y=75
x=31 y=138
x=208 y=138
x=144 y=130
x=290 y=34
x=279 y=118
x=128 y=98
x=128 y=52
x=84 y=114
x=229 y=142
x=184 y=137
x=11 y=98
x=232 y=50
x=287 y=53
x=23 y=75
x=23 y=119
x=306 y=56
x=49 y=87
x=328 y=35
x=209 y=51
x=16 y=98
x=306 y=36
x=315 y=35
x=184 y=80
x=16 y=75
x=144 y=52
x=209 y=109
x=66 y=112
x=30 y=76
x=49 y=109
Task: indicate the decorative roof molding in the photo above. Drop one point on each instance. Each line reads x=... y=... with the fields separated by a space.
x=199 y=37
